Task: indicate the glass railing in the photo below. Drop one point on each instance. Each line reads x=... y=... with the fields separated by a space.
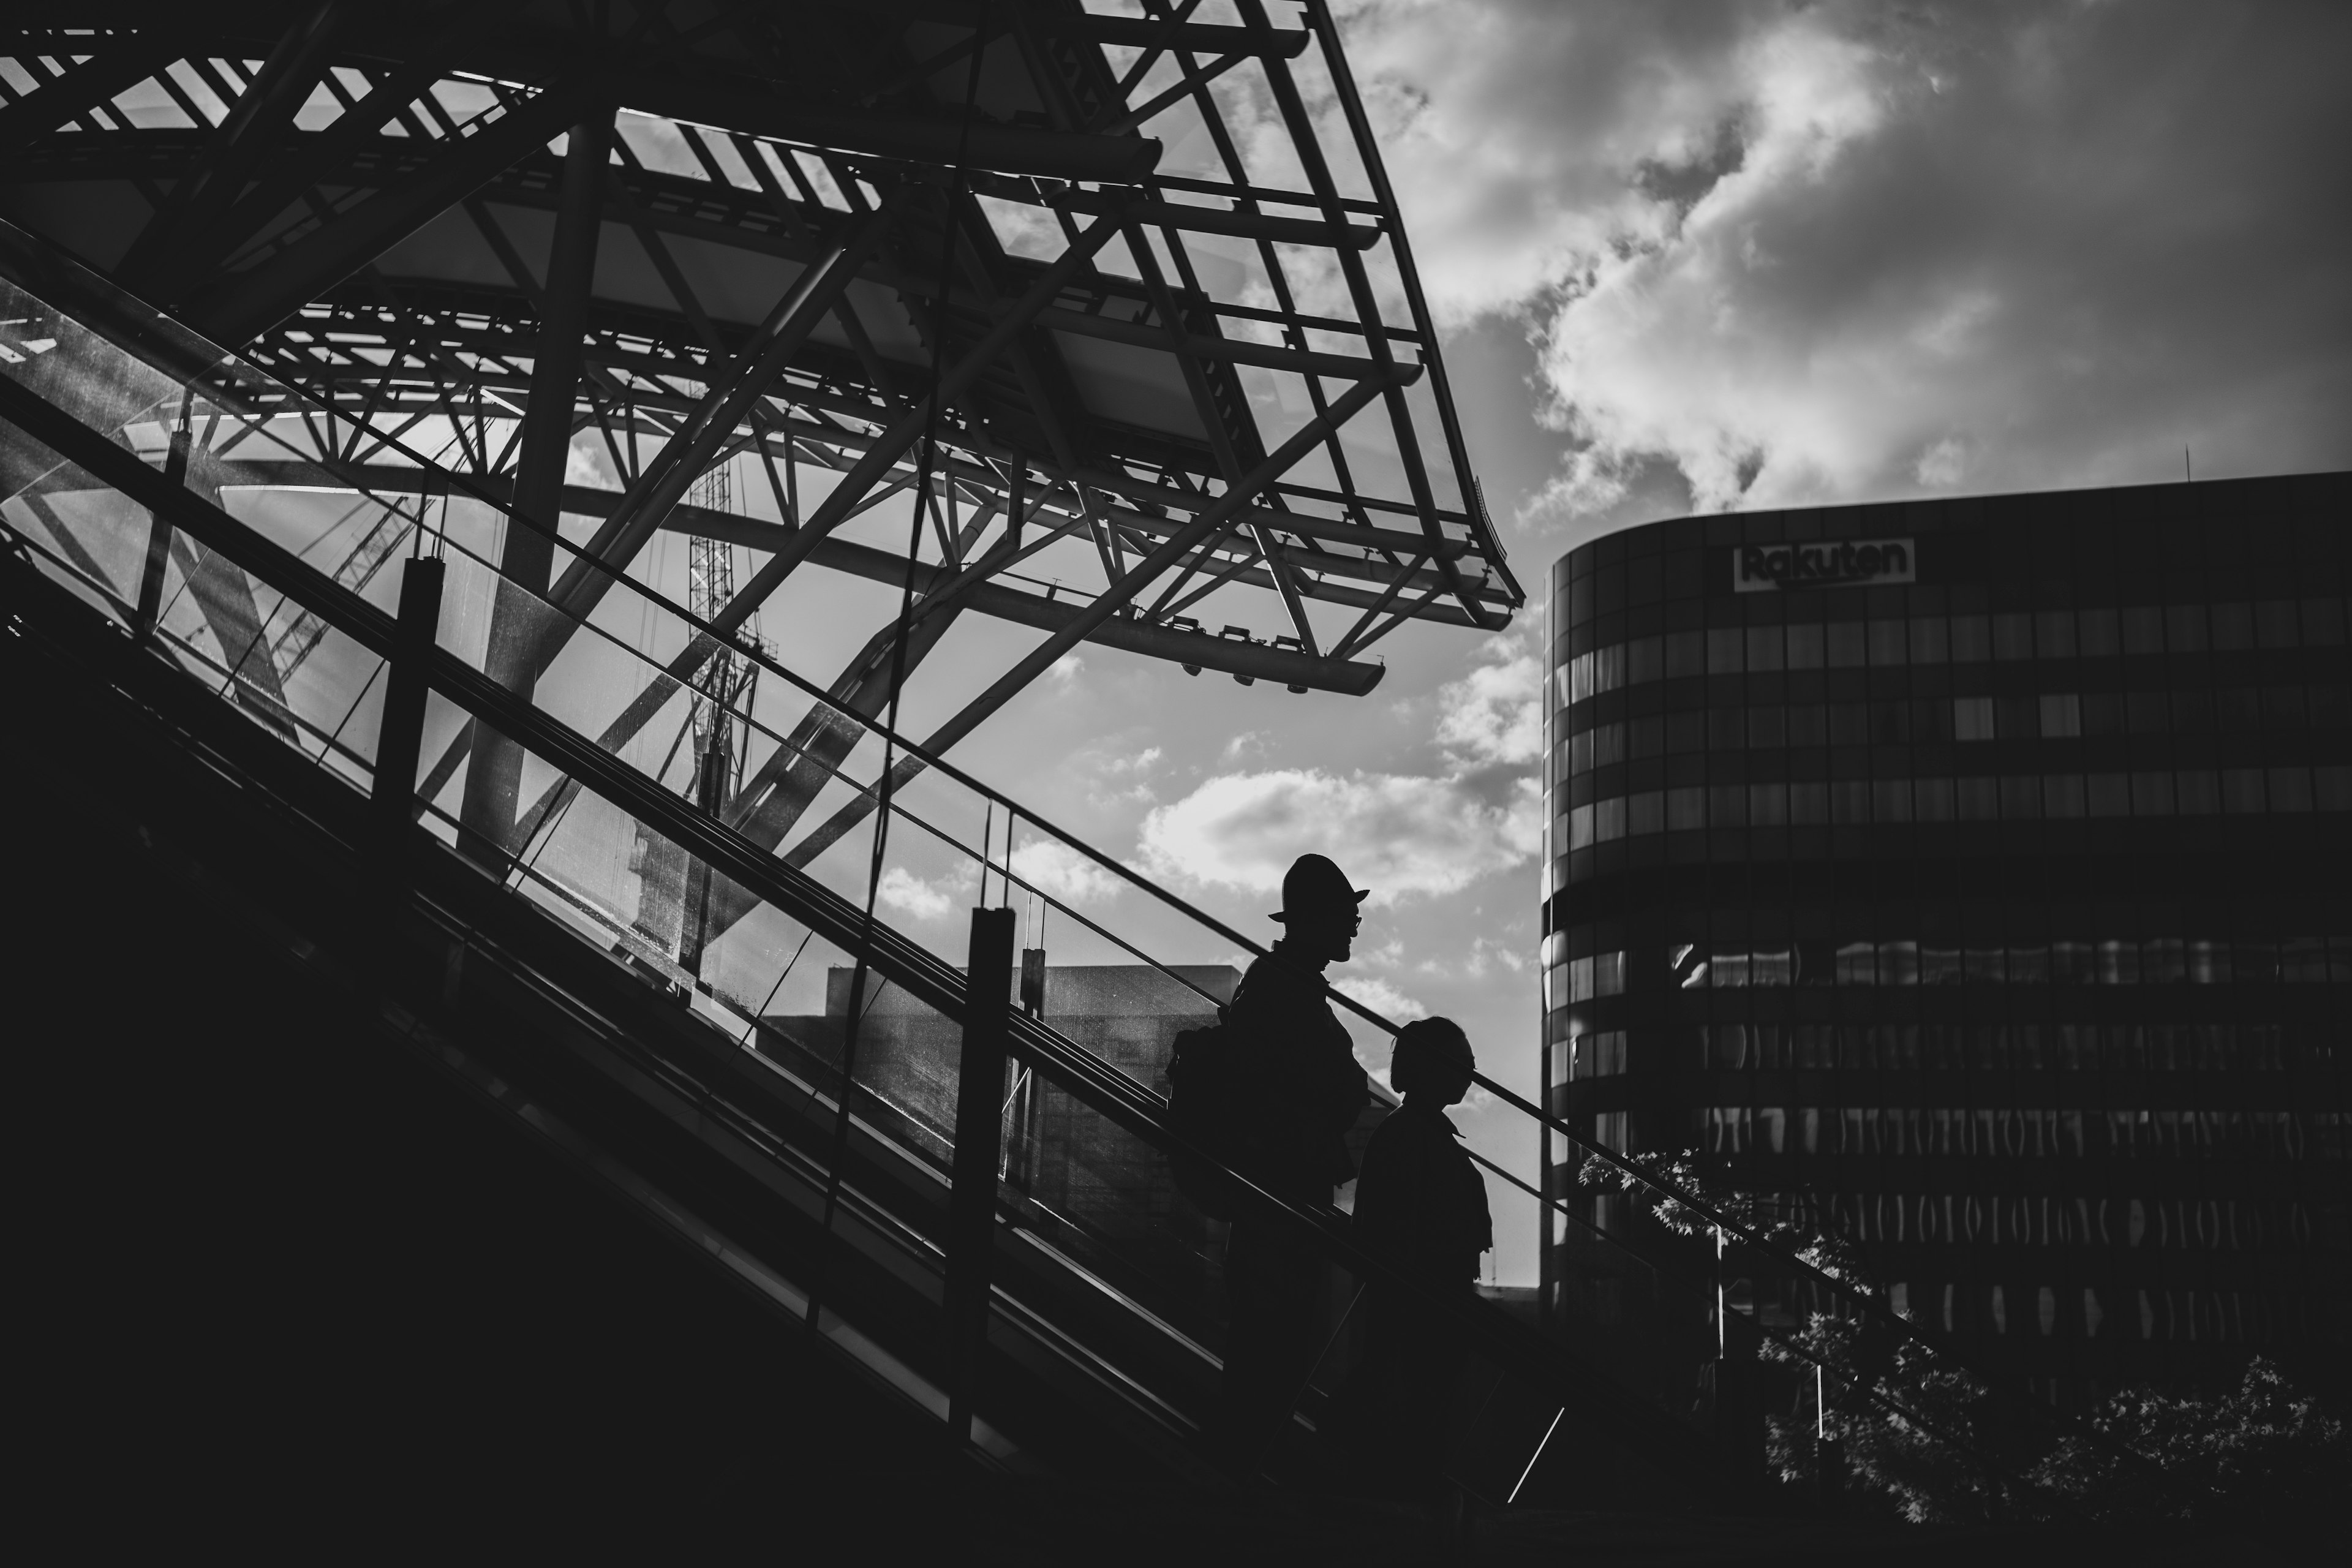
x=800 y=782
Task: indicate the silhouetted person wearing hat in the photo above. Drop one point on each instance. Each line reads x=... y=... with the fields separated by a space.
x=1310 y=1090
x=1420 y=1205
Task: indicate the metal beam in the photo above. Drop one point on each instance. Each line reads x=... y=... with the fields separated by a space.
x=909 y=425
x=1333 y=234
x=1368 y=567
x=268 y=105
x=660 y=485
x=1198 y=37
x=82 y=89
x=323 y=154
x=657 y=488
x=797 y=770
x=1012 y=150
x=1260 y=661
x=1093 y=615
x=1236 y=350
x=1213 y=417
x=1301 y=125
x=1200 y=529
x=1191 y=82
x=243 y=306
x=1343 y=80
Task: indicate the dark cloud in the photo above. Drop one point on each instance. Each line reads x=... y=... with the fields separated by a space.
x=1837 y=251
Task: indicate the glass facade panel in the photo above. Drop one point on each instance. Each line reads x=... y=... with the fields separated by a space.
x=2001 y=921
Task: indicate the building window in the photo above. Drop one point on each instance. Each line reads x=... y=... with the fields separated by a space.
x=1972 y=719
x=1599 y=1055
x=1609 y=1131
x=1723 y=650
x=1601 y=974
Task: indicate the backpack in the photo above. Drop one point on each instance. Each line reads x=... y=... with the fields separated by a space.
x=1208 y=1096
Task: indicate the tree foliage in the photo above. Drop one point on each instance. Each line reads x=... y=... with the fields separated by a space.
x=1938 y=1444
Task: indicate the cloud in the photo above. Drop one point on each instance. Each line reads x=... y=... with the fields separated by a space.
x=1064 y=873
x=1397 y=834
x=904 y=891
x=1831 y=251
x=1494 y=713
x=1065 y=669
x=1486 y=953
x=1112 y=770
x=1381 y=997
x=586 y=467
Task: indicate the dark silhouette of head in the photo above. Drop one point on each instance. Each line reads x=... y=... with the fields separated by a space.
x=1319 y=911
x=1432 y=1060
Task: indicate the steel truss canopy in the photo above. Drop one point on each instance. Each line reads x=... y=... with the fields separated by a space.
x=1184 y=371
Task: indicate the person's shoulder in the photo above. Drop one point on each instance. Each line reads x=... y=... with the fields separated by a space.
x=1404 y=1131
x=1273 y=981
x=1393 y=1145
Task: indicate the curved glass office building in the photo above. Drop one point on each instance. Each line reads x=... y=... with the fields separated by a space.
x=1976 y=876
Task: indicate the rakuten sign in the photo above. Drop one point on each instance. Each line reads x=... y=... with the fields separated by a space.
x=1845 y=562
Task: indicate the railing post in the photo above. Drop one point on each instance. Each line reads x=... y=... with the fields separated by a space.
x=402 y=732
x=1829 y=1453
x=980 y=1119
x=1738 y=1411
x=158 y=543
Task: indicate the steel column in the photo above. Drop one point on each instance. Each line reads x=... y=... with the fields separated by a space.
x=528 y=555
x=979 y=1130
x=400 y=733
x=159 y=543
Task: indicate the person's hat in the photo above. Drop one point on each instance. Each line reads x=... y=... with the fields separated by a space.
x=1314 y=885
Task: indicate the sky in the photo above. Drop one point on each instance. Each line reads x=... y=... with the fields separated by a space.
x=1700 y=256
